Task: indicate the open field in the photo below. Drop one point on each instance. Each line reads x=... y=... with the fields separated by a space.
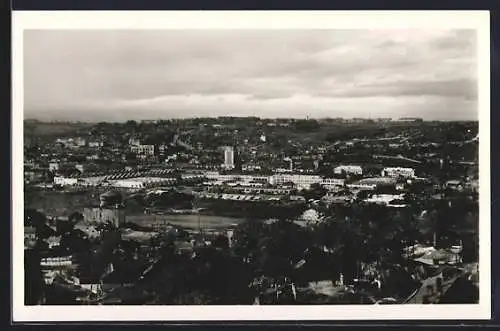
x=187 y=221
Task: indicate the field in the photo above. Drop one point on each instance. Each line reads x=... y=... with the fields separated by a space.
x=64 y=203
x=186 y=221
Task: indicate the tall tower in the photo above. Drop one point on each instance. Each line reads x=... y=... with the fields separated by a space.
x=229 y=157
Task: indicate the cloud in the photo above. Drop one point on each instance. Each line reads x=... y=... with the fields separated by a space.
x=150 y=74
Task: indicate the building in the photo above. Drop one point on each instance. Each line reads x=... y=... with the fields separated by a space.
x=348 y=170
x=95 y=144
x=80 y=142
x=398 y=172
x=65 y=181
x=385 y=199
x=300 y=181
x=104 y=215
x=146 y=150
x=57 y=262
x=228 y=157
x=141 y=182
x=29 y=237
x=290 y=163
x=330 y=183
x=53 y=166
x=53 y=241
x=361 y=186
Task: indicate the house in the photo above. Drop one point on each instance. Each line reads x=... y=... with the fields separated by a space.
x=383 y=199
x=396 y=172
x=433 y=256
x=53 y=166
x=454 y=185
x=95 y=144
x=65 y=181
x=53 y=241
x=29 y=237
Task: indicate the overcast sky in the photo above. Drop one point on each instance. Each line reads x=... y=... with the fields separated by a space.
x=120 y=75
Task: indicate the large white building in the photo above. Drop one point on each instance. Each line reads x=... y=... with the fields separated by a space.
x=141 y=182
x=228 y=157
x=214 y=175
x=398 y=172
x=301 y=181
x=348 y=169
x=331 y=183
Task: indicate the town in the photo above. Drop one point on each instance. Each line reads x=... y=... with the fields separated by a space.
x=251 y=211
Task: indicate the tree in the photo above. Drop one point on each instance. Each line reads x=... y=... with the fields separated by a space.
x=34 y=218
x=75 y=217
x=247 y=236
x=315 y=192
x=33 y=278
x=64 y=227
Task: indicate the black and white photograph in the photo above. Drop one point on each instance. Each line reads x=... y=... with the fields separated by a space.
x=335 y=170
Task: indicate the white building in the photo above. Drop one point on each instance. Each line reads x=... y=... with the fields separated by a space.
x=147 y=150
x=228 y=157
x=332 y=182
x=398 y=172
x=348 y=169
x=65 y=181
x=53 y=166
x=53 y=241
x=96 y=144
x=384 y=199
x=59 y=261
x=214 y=175
x=141 y=182
x=80 y=142
x=301 y=181
x=362 y=187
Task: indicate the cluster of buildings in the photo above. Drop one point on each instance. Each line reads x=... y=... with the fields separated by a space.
x=237 y=162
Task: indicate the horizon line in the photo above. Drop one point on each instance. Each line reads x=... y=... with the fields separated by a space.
x=388 y=119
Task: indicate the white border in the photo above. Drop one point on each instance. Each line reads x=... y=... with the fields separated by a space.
x=478 y=20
